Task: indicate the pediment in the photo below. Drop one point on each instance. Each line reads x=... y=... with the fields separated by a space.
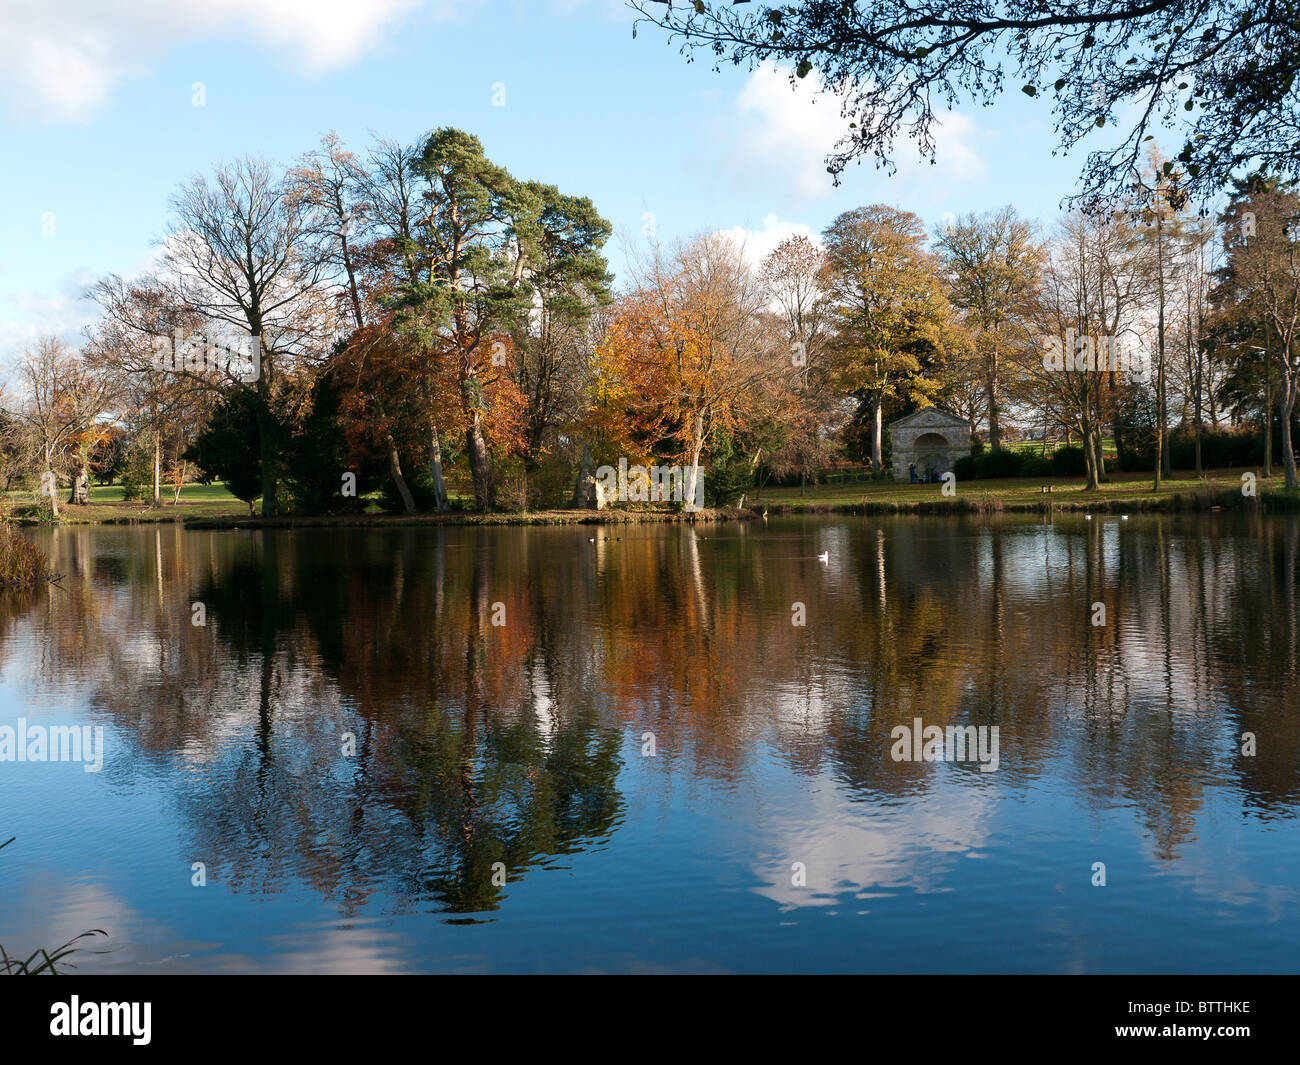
x=927 y=417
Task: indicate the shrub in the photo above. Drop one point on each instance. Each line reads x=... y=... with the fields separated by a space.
x=511 y=480
x=1032 y=464
x=1063 y=462
x=1239 y=446
x=1000 y=463
x=550 y=484
x=229 y=446
x=1068 y=461
x=136 y=474
x=316 y=457
x=965 y=468
x=728 y=473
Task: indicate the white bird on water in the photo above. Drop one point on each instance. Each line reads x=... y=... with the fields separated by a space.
x=825 y=556
x=1087 y=517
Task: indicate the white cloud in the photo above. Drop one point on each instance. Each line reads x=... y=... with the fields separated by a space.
x=26 y=315
x=64 y=57
x=759 y=243
x=849 y=855
x=783 y=135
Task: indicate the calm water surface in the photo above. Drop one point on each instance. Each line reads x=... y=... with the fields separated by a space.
x=526 y=744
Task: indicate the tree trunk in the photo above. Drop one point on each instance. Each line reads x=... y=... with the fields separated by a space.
x=440 y=503
x=877 y=431
x=1285 y=406
x=1160 y=414
x=395 y=469
x=584 y=490
x=479 y=467
x=80 y=494
x=1165 y=455
x=1160 y=355
x=48 y=480
x=1117 y=421
x=1268 y=406
x=394 y=459
x=266 y=448
x=995 y=414
x=697 y=449
x=1089 y=455
x=157 y=469
x=1196 y=422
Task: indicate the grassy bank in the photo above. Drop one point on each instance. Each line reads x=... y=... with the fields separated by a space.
x=1124 y=492
x=539 y=517
x=213 y=507
x=106 y=507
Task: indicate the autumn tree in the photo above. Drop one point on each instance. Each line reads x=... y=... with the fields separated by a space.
x=892 y=319
x=690 y=349
x=992 y=265
x=347 y=207
x=134 y=342
x=809 y=410
x=65 y=399
x=468 y=255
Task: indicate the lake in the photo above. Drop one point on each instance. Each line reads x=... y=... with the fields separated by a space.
x=675 y=748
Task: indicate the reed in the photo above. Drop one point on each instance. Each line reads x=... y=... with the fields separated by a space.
x=42 y=962
x=22 y=563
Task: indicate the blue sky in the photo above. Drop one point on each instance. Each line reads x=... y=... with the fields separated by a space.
x=98 y=125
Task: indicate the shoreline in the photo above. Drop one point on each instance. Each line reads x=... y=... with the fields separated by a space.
x=1177 y=502
x=1202 y=500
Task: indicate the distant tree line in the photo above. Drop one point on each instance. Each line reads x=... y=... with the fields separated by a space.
x=434 y=332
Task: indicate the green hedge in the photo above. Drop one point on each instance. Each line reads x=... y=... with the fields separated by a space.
x=1065 y=461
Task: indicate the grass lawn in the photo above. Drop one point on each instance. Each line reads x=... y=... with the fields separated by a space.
x=106 y=505
x=1126 y=490
x=1123 y=488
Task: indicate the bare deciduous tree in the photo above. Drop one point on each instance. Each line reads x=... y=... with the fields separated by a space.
x=65 y=398
x=241 y=253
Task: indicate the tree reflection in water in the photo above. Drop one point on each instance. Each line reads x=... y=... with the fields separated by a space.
x=478 y=744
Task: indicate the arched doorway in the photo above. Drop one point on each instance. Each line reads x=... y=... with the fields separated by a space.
x=931 y=451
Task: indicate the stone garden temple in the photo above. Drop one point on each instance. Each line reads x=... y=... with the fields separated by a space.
x=931 y=439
